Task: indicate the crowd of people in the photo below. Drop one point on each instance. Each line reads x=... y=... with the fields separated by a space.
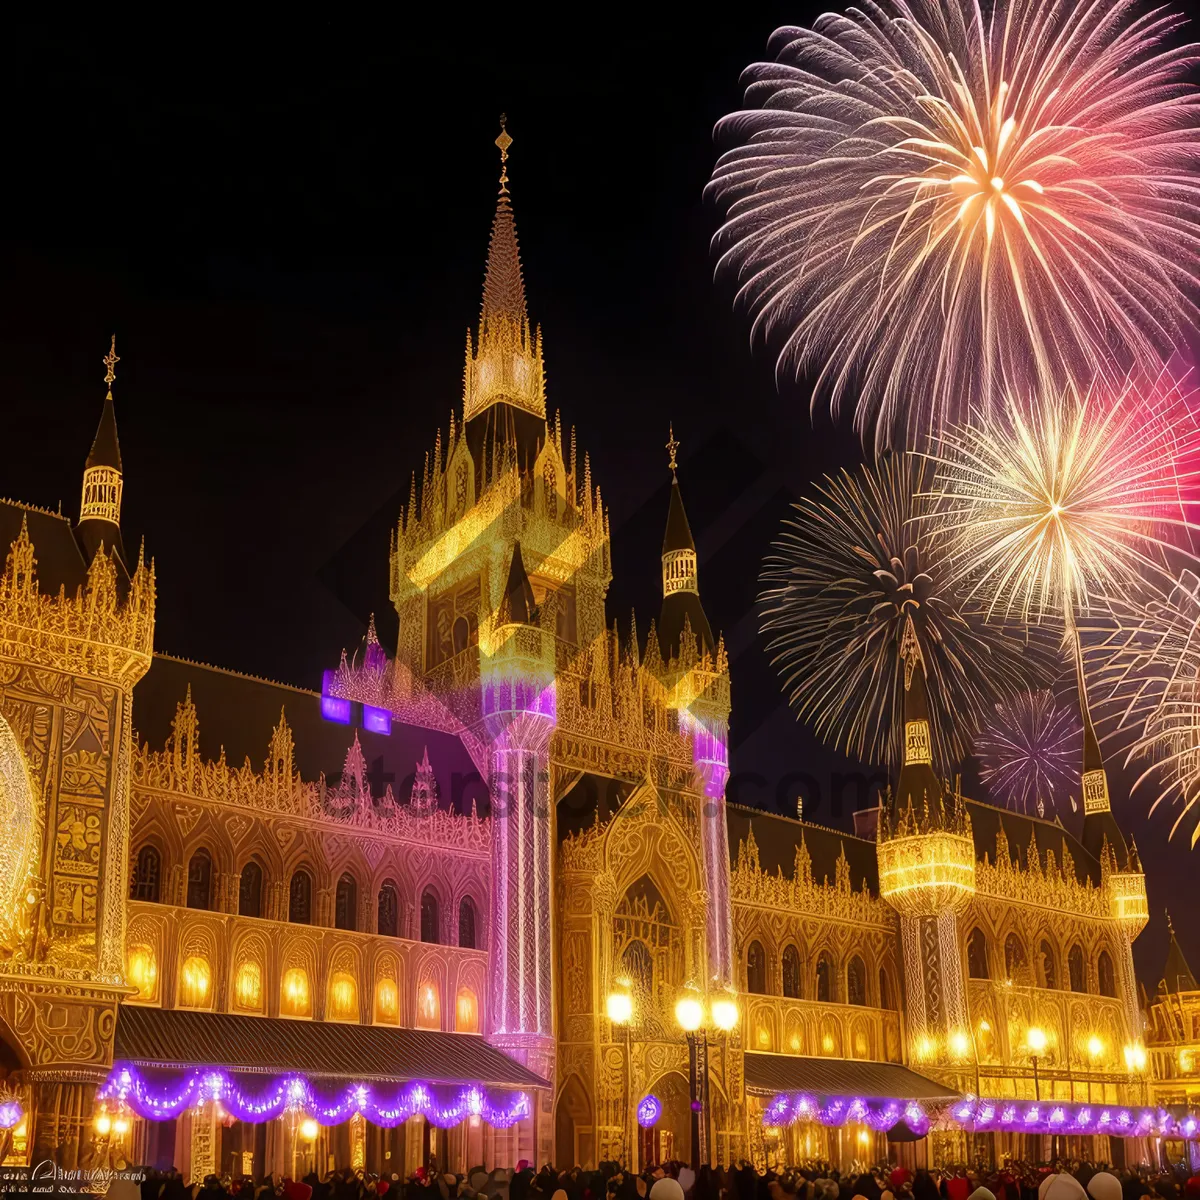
x=674 y=1181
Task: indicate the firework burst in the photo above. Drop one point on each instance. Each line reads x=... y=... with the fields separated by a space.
x=1029 y=751
x=932 y=204
x=846 y=573
x=1058 y=506
x=1147 y=675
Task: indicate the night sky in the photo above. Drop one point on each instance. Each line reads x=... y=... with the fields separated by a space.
x=285 y=225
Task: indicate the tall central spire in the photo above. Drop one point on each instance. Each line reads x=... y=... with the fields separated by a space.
x=505 y=364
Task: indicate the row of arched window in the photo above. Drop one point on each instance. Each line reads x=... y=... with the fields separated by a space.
x=146 y=884
x=1016 y=962
x=824 y=985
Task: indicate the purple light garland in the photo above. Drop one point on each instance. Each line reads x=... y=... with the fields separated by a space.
x=127 y=1086
x=881 y=1115
x=1052 y=1116
x=11 y=1113
x=649 y=1109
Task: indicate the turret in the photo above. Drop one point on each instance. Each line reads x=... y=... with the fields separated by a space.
x=926 y=855
x=100 y=506
x=681 y=590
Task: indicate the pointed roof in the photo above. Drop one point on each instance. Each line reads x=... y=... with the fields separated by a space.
x=106 y=450
x=678 y=534
x=503 y=283
x=1177 y=975
x=681 y=608
x=519 y=604
x=918 y=783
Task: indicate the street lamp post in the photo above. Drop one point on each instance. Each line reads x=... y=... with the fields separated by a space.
x=1035 y=1039
x=620 y=1013
x=694 y=1020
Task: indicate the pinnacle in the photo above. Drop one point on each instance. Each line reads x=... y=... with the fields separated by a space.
x=503 y=285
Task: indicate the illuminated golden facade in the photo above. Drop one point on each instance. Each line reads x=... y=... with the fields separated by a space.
x=555 y=909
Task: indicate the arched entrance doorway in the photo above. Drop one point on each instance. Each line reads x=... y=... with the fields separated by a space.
x=574 y=1128
x=671 y=1138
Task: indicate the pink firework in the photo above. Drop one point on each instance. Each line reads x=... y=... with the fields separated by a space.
x=1029 y=752
x=931 y=204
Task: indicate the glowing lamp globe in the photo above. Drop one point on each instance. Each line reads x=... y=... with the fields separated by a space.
x=689 y=1012
x=103 y=1124
x=1036 y=1040
x=960 y=1044
x=724 y=1013
x=308 y=1129
x=620 y=1008
x=1095 y=1047
x=120 y=1127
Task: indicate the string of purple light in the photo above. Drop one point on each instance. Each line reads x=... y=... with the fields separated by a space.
x=1053 y=1117
x=163 y=1102
x=789 y=1107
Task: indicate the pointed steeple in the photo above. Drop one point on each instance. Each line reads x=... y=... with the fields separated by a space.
x=918 y=784
x=504 y=367
x=103 y=483
x=1177 y=975
x=681 y=590
x=1099 y=824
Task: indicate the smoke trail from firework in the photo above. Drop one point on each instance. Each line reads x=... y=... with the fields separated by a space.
x=929 y=203
x=849 y=567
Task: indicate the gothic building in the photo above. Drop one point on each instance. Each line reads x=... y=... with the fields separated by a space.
x=481 y=897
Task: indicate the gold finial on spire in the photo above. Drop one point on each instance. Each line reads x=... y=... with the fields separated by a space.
x=504 y=141
x=110 y=361
x=672 y=448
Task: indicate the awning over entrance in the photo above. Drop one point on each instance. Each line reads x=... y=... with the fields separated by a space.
x=771 y=1074
x=174 y=1038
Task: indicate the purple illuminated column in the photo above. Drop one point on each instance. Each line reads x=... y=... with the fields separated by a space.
x=519 y=710
x=711 y=757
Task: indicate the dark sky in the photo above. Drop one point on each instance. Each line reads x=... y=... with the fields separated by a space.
x=285 y=225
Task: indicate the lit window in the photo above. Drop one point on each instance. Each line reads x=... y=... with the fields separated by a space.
x=296 y=1002
x=429 y=1007
x=466 y=1012
x=387 y=1002
x=194 y=982
x=248 y=989
x=142 y=972
x=343 y=997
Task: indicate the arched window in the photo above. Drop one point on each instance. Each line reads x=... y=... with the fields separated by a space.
x=345 y=904
x=199 y=880
x=638 y=964
x=250 y=890
x=856 y=981
x=1075 y=972
x=977 y=955
x=885 y=989
x=791 y=972
x=388 y=922
x=1049 y=968
x=144 y=879
x=466 y=923
x=824 y=978
x=466 y=1012
x=1014 y=955
x=756 y=969
x=429 y=1006
x=429 y=917
x=1106 y=978
x=300 y=898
